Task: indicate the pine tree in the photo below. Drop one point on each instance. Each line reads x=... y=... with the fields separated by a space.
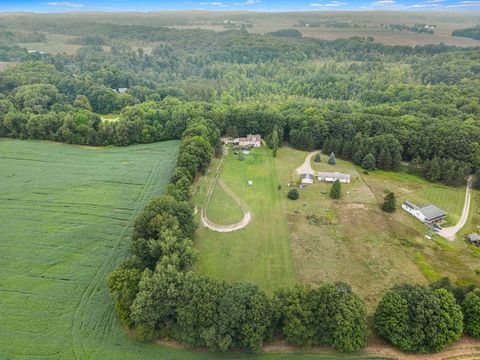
x=389 y=202
x=476 y=180
x=336 y=190
x=332 y=160
x=274 y=141
x=433 y=172
x=318 y=158
x=368 y=162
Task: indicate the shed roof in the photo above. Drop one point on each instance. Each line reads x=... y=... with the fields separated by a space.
x=334 y=175
x=474 y=237
x=432 y=212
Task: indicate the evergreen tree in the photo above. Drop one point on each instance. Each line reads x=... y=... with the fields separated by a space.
x=331 y=159
x=318 y=158
x=274 y=141
x=476 y=180
x=368 y=162
x=433 y=170
x=389 y=202
x=336 y=190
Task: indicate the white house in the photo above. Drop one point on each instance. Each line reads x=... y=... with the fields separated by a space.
x=333 y=176
x=307 y=178
x=250 y=140
x=429 y=214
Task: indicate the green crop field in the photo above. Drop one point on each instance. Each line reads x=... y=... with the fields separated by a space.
x=66 y=214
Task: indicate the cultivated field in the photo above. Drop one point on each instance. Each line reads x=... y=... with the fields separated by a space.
x=66 y=214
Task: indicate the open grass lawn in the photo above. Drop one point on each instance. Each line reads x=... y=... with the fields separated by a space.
x=259 y=253
x=222 y=209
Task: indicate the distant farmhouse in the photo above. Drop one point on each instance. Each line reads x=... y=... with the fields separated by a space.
x=333 y=176
x=307 y=178
x=122 y=90
x=429 y=214
x=250 y=140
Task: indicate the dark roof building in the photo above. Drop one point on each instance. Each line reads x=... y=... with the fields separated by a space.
x=432 y=213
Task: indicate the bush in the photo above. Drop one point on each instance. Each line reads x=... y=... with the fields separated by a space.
x=293 y=194
x=418 y=319
x=389 y=202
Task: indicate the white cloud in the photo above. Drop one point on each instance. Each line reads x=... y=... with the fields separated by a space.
x=64 y=4
x=465 y=4
x=384 y=3
x=247 y=2
x=333 y=3
x=219 y=4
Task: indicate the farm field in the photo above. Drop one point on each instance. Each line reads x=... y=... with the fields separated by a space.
x=66 y=214
x=259 y=253
x=55 y=44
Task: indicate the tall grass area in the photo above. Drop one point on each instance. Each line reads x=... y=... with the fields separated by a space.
x=259 y=253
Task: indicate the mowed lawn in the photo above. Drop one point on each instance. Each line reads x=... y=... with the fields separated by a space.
x=65 y=220
x=259 y=253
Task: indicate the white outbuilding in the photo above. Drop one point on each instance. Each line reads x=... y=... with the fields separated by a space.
x=333 y=176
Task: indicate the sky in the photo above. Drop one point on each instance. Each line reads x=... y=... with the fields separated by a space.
x=226 y=5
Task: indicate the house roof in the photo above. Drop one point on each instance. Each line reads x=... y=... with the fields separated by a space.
x=335 y=175
x=410 y=205
x=307 y=176
x=122 y=90
x=432 y=212
x=249 y=137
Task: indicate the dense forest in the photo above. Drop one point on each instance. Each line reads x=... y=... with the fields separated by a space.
x=473 y=32
x=353 y=96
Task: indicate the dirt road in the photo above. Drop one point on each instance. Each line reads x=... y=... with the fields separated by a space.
x=450 y=233
x=306 y=168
